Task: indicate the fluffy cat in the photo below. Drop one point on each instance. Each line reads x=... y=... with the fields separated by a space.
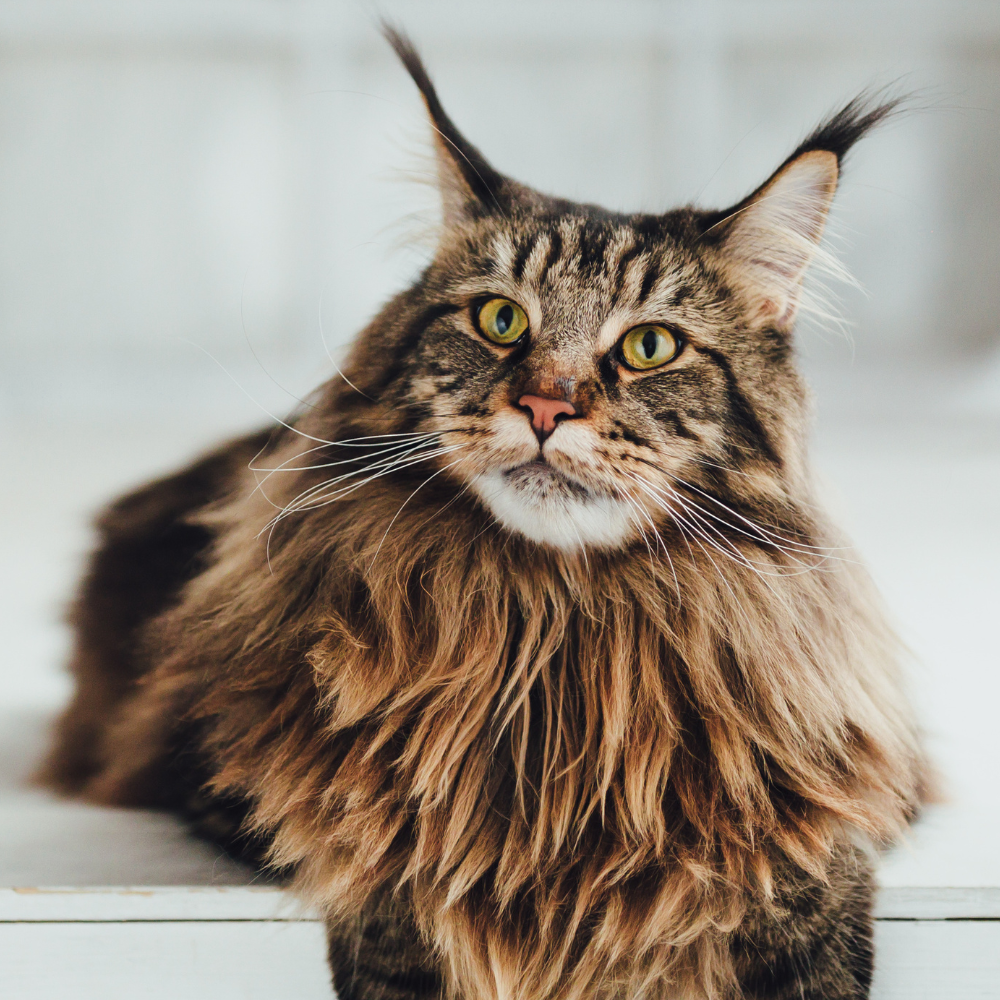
x=525 y=651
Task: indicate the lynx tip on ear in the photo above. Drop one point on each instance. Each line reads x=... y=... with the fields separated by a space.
x=768 y=240
x=467 y=181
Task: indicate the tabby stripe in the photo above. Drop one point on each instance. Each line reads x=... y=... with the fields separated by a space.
x=649 y=279
x=524 y=251
x=411 y=338
x=681 y=292
x=593 y=244
x=609 y=370
x=631 y=436
x=744 y=413
x=681 y=429
x=624 y=260
x=555 y=250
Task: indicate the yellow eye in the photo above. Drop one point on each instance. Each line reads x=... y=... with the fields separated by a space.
x=649 y=346
x=501 y=321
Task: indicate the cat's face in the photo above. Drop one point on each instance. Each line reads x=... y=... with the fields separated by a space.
x=594 y=377
x=620 y=377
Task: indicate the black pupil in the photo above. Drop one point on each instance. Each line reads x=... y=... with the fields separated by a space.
x=505 y=319
x=649 y=342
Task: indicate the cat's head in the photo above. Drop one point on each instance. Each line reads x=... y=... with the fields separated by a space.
x=594 y=377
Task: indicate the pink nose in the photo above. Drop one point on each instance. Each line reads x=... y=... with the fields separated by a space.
x=544 y=411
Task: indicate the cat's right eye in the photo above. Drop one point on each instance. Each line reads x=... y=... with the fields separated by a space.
x=648 y=346
x=501 y=320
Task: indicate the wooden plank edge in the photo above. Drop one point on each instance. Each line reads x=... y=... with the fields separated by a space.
x=938 y=903
x=131 y=903
x=134 y=903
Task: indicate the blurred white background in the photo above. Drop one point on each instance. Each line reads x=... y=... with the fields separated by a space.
x=193 y=195
x=178 y=176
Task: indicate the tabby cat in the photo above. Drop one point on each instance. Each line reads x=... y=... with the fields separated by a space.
x=524 y=651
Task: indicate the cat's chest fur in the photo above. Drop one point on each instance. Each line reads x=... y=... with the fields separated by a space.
x=487 y=727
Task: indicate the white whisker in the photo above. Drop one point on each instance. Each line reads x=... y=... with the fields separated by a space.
x=405 y=502
x=792 y=554
x=638 y=523
x=764 y=533
x=634 y=503
x=404 y=450
x=285 y=467
x=795 y=552
x=699 y=534
x=236 y=382
x=336 y=367
x=384 y=467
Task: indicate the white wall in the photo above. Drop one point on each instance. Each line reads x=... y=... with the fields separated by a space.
x=186 y=176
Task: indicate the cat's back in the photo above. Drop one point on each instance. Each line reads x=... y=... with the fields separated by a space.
x=149 y=546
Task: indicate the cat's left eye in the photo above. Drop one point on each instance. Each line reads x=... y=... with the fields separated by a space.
x=648 y=346
x=501 y=320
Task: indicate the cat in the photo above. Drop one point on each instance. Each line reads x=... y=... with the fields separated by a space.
x=524 y=651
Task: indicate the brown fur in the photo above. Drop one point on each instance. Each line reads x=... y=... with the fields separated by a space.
x=556 y=773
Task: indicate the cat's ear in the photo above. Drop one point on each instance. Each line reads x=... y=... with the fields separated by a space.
x=469 y=185
x=767 y=242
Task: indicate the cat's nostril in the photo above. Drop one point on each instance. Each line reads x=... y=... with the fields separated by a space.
x=545 y=412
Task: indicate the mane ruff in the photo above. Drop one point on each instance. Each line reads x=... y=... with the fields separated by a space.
x=578 y=780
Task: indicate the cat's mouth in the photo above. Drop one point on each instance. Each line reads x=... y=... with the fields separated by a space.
x=543 y=479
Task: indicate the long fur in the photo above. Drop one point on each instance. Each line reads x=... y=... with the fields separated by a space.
x=585 y=773
x=580 y=784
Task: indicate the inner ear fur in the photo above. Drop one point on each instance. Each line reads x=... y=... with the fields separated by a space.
x=768 y=241
x=469 y=185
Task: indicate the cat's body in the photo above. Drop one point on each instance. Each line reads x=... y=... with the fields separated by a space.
x=547 y=681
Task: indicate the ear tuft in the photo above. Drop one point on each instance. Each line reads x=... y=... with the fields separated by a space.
x=767 y=242
x=838 y=133
x=468 y=183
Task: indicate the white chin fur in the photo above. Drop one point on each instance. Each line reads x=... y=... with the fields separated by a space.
x=546 y=508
